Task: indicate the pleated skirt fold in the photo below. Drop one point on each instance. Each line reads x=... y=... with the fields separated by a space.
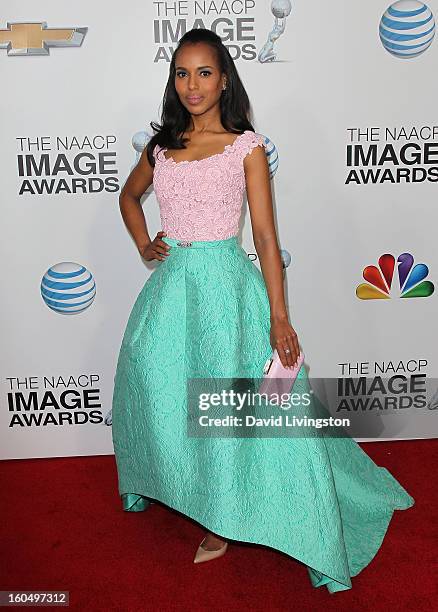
x=204 y=313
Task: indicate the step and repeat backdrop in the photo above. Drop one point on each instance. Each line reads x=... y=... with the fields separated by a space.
x=345 y=97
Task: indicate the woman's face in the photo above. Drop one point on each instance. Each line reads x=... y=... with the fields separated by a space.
x=198 y=80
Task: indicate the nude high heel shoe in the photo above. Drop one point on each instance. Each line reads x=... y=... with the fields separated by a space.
x=207 y=555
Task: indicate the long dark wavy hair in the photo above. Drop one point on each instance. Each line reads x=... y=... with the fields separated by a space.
x=175 y=118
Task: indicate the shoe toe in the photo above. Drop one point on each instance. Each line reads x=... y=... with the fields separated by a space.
x=203 y=555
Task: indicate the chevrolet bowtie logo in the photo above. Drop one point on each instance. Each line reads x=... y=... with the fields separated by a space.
x=36 y=38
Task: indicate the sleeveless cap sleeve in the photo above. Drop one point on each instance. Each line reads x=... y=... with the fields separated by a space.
x=247 y=143
x=158 y=152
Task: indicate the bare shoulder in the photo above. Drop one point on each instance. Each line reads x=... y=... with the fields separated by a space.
x=140 y=177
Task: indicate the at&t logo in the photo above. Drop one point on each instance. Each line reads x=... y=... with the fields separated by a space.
x=407 y=28
x=68 y=288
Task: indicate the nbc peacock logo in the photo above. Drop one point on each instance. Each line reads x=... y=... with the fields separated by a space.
x=381 y=282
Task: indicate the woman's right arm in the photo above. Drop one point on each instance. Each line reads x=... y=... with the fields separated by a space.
x=129 y=202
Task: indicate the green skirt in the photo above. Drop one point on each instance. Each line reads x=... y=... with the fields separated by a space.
x=204 y=313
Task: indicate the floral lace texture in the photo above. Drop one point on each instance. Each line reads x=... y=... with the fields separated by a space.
x=202 y=199
x=204 y=315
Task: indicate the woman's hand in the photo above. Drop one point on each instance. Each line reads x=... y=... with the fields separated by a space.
x=155 y=249
x=283 y=337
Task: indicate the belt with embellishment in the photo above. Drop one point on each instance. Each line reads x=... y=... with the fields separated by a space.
x=202 y=244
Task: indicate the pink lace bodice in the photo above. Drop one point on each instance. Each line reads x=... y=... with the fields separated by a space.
x=202 y=199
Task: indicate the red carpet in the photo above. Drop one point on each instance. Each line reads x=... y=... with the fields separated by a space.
x=63 y=528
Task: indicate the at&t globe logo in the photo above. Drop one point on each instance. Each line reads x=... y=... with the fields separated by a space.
x=68 y=288
x=407 y=28
x=272 y=155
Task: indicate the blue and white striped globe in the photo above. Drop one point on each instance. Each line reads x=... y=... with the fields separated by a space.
x=272 y=154
x=407 y=28
x=68 y=288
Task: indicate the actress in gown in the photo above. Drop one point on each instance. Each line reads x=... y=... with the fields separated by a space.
x=206 y=311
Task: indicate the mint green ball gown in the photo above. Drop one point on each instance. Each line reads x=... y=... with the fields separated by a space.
x=204 y=312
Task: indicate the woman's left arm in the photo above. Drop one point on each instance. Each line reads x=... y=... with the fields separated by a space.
x=258 y=189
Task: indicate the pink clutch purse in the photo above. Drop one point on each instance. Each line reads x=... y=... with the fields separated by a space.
x=278 y=379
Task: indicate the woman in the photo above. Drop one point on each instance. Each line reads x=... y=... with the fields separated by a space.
x=207 y=312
